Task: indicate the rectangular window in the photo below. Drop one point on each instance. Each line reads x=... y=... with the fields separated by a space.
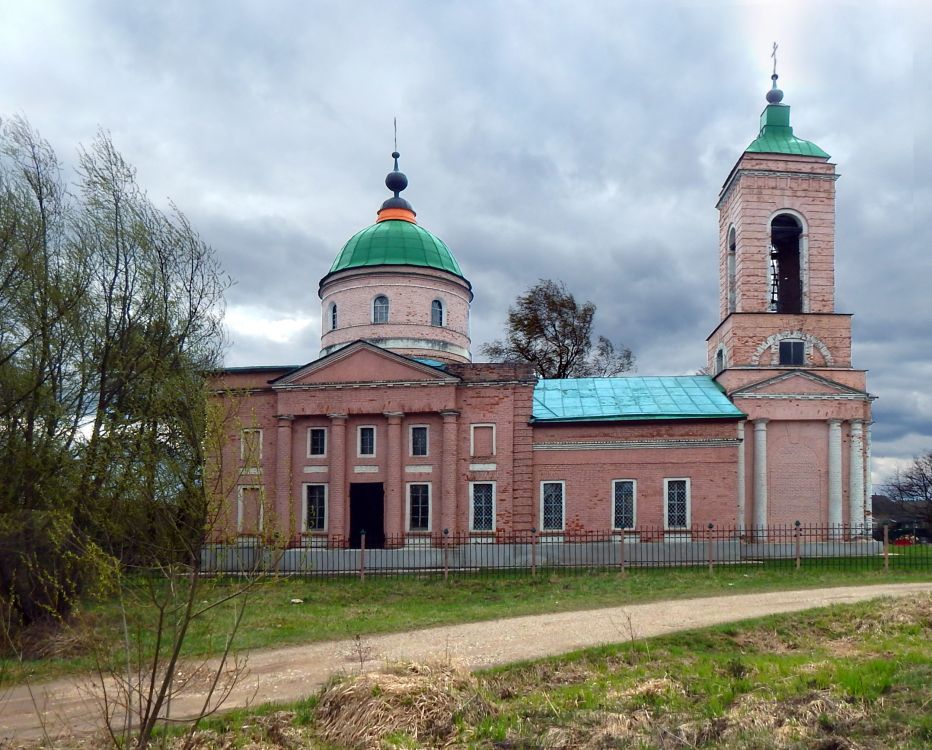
x=624 y=492
x=317 y=441
x=551 y=506
x=315 y=518
x=418 y=507
x=482 y=506
x=792 y=352
x=365 y=441
x=250 y=446
x=482 y=440
x=249 y=510
x=676 y=503
x=419 y=440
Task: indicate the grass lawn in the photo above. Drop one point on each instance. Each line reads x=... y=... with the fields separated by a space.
x=342 y=608
x=849 y=676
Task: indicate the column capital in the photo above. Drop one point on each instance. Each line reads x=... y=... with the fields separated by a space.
x=857 y=423
x=393 y=417
x=760 y=424
x=449 y=414
x=285 y=417
x=337 y=417
x=835 y=422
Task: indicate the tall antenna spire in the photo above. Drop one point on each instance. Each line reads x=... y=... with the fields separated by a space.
x=395 y=120
x=774 y=96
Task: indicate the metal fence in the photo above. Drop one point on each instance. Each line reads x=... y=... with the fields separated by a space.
x=530 y=552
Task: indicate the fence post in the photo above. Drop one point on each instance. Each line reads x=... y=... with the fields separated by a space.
x=533 y=551
x=796 y=525
x=362 y=554
x=624 y=533
x=886 y=547
x=446 y=554
x=709 y=545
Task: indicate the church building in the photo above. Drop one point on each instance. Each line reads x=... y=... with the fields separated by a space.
x=394 y=430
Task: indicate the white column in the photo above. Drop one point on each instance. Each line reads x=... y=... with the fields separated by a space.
x=856 y=478
x=760 y=473
x=742 y=503
x=868 y=482
x=834 y=475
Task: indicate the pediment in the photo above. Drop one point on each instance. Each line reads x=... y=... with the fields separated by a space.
x=797 y=384
x=362 y=362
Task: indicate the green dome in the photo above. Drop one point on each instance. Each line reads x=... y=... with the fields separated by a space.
x=395 y=242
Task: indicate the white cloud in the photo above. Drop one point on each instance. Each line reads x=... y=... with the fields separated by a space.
x=259 y=322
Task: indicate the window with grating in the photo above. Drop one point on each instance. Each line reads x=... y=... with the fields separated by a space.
x=677 y=503
x=623 y=515
x=552 y=506
x=483 y=506
x=316 y=507
x=419 y=499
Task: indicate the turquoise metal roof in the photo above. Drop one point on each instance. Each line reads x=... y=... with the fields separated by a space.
x=631 y=398
x=430 y=362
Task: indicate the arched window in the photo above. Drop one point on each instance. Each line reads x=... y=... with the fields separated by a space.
x=436 y=313
x=380 y=309
x=719 y=361
x=786 y=289
x=732 y=263
x=333 y=316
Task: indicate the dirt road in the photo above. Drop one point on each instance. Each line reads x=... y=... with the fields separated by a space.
x=69 y=706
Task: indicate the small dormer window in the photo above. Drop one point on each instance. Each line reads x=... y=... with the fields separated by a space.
x=380 y=309
x=333 y=316
x=436 y=313
x=792 y=352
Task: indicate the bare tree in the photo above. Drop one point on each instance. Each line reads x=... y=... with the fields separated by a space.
x=911 y=488
x=548 y=329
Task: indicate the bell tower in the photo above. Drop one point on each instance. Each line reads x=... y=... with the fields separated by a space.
x=781 y=351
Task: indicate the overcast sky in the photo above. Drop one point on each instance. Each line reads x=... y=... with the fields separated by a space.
x=582 y=141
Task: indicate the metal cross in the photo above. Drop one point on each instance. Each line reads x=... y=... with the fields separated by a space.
x=774 y=56
x=395 y=120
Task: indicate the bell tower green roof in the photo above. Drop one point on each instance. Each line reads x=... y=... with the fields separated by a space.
x=776 y=135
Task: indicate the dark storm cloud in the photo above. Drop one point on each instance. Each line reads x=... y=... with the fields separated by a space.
x=579 y=141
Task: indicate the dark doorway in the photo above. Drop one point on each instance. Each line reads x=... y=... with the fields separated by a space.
x=367 y=511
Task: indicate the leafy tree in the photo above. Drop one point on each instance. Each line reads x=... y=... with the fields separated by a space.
x=911 y=488
x=548 y=329
x=110 y=318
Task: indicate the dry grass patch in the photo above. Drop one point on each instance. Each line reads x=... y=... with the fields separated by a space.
x=421 y=701
x=764 y=642
x=78 y=636
x=538 y=676
x=816 y=717
x=912 y=610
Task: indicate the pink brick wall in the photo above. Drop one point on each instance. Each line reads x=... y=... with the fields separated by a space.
x=748 y=203
x=743 y=335
x=410 y=291
x=589 y=473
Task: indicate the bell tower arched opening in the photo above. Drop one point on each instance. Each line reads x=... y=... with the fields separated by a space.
x=786 y=288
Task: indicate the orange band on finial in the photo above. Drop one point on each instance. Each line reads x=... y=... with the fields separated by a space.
x=403 y=214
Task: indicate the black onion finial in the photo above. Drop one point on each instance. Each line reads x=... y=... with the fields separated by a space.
x=396 y=181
